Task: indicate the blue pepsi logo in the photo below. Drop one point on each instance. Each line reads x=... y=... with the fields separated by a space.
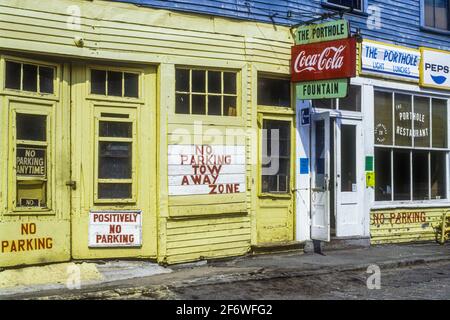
x=438 y=79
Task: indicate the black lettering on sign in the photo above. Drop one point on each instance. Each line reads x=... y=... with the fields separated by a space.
x=31 y=161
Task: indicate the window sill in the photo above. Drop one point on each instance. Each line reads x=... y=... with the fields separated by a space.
x=333 y=6
x=411 y=205
x=434 y=30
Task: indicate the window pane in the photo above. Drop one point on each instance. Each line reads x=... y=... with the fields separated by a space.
x=348 y=157
x=402 y=175
x=198 y=104
x=114 y=160
x=229 y=82
x=421 y=121
x=214 y=82
x=182 y=80
x=353 y=100
x=356 y=4
x=131 y=85
x=115 y=129
x=324 y=103
x=31 y=194
x=198 y=81
x=215 y=105
x=12 y=80
x=438 y=174
x=441 y=14
x=403 y=119
x=420 y=175
x=114 y=83
x=229 y=106
x=276 y=161
x=274 y=92
x=31 y=127
x=429 y=13
x=98 y=82
x=383 y=118
x=30 y=77
x=439 y=129
x=114 y=190
x=46 y=79
x=383 y=188
x=182 y=103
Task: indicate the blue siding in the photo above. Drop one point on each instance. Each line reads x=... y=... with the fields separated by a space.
x=400 y=19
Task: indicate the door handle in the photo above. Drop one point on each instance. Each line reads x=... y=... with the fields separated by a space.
x=72 y=184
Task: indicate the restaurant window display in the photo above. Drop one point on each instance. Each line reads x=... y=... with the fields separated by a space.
x=411 y=147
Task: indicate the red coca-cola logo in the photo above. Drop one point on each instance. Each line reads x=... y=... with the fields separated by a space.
x=326 y=60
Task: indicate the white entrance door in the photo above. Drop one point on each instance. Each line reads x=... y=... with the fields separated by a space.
x=320 y=176
x=349 y=177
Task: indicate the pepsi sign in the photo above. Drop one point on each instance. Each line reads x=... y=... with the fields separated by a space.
x=435 y=68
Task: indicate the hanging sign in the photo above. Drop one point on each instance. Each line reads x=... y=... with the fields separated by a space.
x=336 y=88
x=115 y=228
x=389 y=61
x=324 y=61
x=435 y=68
x=312 y=33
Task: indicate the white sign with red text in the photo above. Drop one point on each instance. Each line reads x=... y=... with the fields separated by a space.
x=115 y=228
x=206 y=169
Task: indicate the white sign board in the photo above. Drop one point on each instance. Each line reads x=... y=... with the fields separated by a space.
x=435 y=68
x=388 y=61
x=115 y=228
x=206 y=169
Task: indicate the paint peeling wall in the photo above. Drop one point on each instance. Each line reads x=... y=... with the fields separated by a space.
x=405 y=225
x=189 y=228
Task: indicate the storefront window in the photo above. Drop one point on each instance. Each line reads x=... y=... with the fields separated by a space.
x=205 y=92
x=411 y=163
x=276 y=155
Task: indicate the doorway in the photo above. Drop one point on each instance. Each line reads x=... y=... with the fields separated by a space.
x=337 y=176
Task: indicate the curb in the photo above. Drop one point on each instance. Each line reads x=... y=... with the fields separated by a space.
x=156 y=291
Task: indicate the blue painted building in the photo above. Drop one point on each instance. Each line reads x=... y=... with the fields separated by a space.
x=402 y=22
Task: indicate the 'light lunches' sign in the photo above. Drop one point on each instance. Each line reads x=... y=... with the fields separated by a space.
x=206 y=169
x=390 y=61
x=435 y=68
x=312 y=33
x=115 y=228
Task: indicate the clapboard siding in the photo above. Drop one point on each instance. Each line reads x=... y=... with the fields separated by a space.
x=400 y=19
x=392 y=231
x=192 y=239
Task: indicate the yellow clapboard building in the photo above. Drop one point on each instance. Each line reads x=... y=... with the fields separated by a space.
x=136 y=132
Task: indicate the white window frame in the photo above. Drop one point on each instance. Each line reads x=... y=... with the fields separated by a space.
x=428 y=202
x=427 y=28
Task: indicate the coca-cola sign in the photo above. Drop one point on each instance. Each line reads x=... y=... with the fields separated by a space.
x=325 y=60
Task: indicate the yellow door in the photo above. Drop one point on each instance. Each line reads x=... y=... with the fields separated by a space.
x=114 y=161
x=275 y=214
x=35 y=152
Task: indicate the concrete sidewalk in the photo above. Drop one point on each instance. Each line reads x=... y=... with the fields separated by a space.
x=125 y=279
